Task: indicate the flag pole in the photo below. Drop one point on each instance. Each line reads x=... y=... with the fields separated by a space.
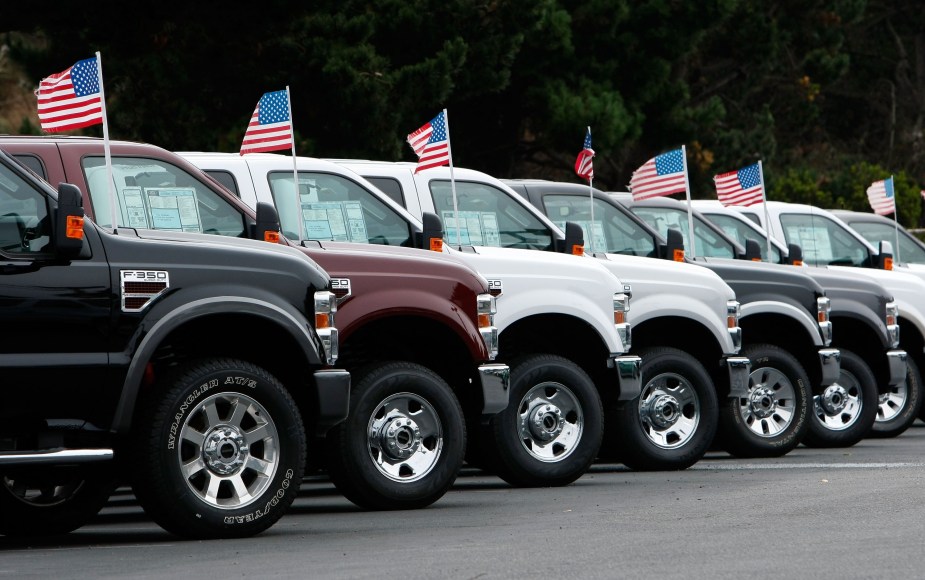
x=895 y=220
x=295 y=170
x=449 y=153
x=764 y=203
x=106 y=148
x=690 y=211
x=591 y=197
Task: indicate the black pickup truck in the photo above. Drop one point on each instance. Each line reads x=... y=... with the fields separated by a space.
x=189 y=369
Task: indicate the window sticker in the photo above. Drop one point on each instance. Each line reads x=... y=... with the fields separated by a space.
x=600 y=243
x=134 y=212
x=476 y=228
x=173 y=208
x=815 y=242
x=341 y=221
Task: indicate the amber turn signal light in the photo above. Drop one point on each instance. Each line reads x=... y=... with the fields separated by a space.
x=75 y=227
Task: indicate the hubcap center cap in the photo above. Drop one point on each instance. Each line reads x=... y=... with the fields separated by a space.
x=546 y=422
x=663 y=411
x=224 y=450
x=834 y=399
x=400 y=437
x=762 y=402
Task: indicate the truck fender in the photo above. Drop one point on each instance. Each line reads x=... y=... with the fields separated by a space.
x=195 y=309
x=784 y=309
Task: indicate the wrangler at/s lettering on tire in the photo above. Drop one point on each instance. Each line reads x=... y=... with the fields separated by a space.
x=219 y=450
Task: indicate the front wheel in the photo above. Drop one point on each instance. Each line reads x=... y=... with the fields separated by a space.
x=844 y=412
x=900 y=405
x=673 y=421
x=551 y=431
x=403 y=442
x=219 y=451
x=772 y=418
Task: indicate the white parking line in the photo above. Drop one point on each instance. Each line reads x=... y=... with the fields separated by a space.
x=702 y=466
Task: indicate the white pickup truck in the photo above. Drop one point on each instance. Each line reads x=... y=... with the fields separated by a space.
x=562 y=327
x=685 y=318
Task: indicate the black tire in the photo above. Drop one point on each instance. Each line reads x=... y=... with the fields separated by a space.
x=774 y=418
x=206 y=415
x=562 y=404
x=852 y=406
x=672 y=422
x=52 y=501
x=900 y=406
x=404 y=439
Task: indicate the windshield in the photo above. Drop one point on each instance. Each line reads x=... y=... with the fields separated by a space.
x=156 y=195
x=488 y=217
x=709 y=244
x=824 y=241
x=614 y=232
x=333 y=207
x=910 y=249
x=740 y=231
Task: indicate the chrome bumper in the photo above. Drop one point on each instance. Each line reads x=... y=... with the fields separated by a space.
x=496 y=387
x=739 y=368
x=830 y=360
x=629 y=374
x=896 y=360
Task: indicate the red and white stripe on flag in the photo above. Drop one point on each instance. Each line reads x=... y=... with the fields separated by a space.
x=71 y=99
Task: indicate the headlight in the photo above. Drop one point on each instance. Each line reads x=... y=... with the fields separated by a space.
x=486 y=308
x=621 y=308
x=733 y=311
x=892 y=323
x=823 y=306
x=325 y=308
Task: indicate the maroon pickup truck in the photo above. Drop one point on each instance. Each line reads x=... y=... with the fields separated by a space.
x=416 y=327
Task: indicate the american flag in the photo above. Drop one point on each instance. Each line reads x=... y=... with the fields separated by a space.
x=71 y=99
x=431 y=143
x=742 y=187
x=270 y=127
x=662 y=175
x=583 y=166
x=880 y=195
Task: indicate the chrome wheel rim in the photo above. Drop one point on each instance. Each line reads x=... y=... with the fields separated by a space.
x=770 y=406
x=892 y=403
x=405 y=437
x=229 y=450
x=669 y=410
x=839 y=405
x=551 y=421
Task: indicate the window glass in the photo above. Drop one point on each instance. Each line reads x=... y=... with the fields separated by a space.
x=824 y=242
x=154 y=194
x=389 y=186
x=333 y=207
x=741 y=231
x=488 y=217
x=226 y=179
x=24 y=223
x=33 y=163
x=614 y=231
x=709 y=243
x=910 y=249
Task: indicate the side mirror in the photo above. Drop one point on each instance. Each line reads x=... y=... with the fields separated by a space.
x=432 y=236
x=752 y=250
x=69 y=221
x=267 y=223
x=885 y=255
x=794 y=254
x=674 y=249
x=574 y=239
